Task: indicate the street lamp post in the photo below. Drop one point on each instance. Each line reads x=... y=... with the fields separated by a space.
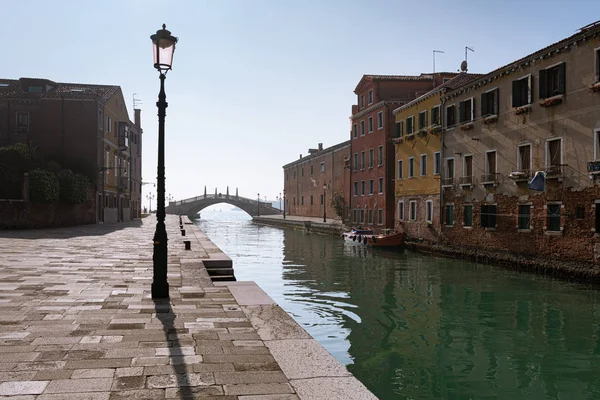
x=163 y=46
x=324 y=204
x=280 y=203
x=283 y=203
x=150 y=197
x=258 y=204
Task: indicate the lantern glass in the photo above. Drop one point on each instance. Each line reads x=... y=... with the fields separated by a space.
x=163 y=47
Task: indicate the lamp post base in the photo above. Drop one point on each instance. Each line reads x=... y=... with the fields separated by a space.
x=160 y=285
x=160 y=290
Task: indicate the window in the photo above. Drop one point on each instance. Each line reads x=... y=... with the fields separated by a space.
x=370 y=97
x=22 y=121
x=380 y=156
x=294 y=174
x=354 y=131
x=488 y=216
x=552 y=81
x=371 y=186
x=380 y=216
x=371 y=157
x=380 y=120
x=100 y=119
x=450 y=116
x=413 y=210
x=553 y=220
x=370 y=216
x=321 y=199
x=423 y=164
x=437 y=163
x=409 y=125
x=380 y=185
x=294 y=201
x=399 y=172
x=362 y=128
x=107 y=166
x=522 y=94
x=362 y=188
x=311 y=170
x=323 y=167
x=553 y=152
x=356 y=188
x=362 y=216
x=524 y=221
x=490 y=166
x=400 y=211
x=450 y=169
x=597 y=52
x=311 y=199
x=468 y=169
x=362 y=101
x=489 y=103
x=449 y=214
x=115 y=171
x=302 y=200
x=411 y=167
x=597 y=144
x=429 y=211
x=399 y=129
x=108 y=124
x=355 y=165
x=435 y=115
x=466 y=113
x=422 y=119
x=354 y=212
x=370 y=120
x=362 y=160
x=524 y=157
x=302 y=172
x=468 y=215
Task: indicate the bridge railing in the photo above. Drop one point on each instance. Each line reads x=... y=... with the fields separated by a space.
x=218 y=196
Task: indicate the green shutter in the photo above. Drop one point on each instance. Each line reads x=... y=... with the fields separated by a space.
x=496 y=101
x=473 y=109
x=530 y=92
x=426 y=118
x=397 y=130
x=561 y=78
x=461 y=111
x=516 y=94
x=543 y=84
x=401 y=125
x=484 y=104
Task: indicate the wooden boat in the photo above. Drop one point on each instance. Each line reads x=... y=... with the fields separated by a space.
x=366 y=237
x=357 y=236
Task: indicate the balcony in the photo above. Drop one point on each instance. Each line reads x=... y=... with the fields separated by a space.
x=123 y=143
x=465 y=181
x=523 y=175
x=448 y=182
x=489 y=179
x=593 y=167
x=555 y=171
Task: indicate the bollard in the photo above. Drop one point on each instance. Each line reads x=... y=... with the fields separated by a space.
x=183 y=232
x=188 y=244
x=180 y=226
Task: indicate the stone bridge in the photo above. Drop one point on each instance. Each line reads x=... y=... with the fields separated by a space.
x=194 y=205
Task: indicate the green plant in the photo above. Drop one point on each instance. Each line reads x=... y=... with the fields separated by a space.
x=73 y=187
x=16 y=157
x=337 y=203
x=43 y=186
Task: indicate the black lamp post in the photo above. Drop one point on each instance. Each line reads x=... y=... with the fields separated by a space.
x=150 y=197
x=258 y=204
x=280 y=203
x=324 y=204
x=163 y=46
x=283 y=203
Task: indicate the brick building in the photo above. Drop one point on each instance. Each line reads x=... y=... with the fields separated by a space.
x=311 y=181
x=372 y=153
x=82 y=127
x=537 y=115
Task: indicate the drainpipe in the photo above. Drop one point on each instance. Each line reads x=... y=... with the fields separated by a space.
x=442 y=134
x=8 y=133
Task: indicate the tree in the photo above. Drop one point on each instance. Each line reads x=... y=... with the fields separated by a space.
x=337 y=203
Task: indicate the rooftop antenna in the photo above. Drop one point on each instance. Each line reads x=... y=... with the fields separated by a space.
x=435 y=51
x=464 y=66
x=136 y=102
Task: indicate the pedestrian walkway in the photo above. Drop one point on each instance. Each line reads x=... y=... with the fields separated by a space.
x=317 y=220
x=77 y=322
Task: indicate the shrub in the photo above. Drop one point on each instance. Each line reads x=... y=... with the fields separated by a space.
x=337 y=202
x=16 y=157
x=43 y=186
x=73 y=187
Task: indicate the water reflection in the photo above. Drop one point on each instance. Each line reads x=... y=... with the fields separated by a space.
x=415 y=326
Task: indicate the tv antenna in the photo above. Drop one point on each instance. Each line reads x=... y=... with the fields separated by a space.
x=464 y=66
x=435 y=51
x=136 y=102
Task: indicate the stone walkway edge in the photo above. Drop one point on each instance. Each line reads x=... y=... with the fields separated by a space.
x=77 y=322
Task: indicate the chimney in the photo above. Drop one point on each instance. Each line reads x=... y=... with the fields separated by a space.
x=138 y=118
x=300 y=156
x=320 y=146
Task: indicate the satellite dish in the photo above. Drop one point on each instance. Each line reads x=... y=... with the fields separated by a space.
x=463 y=66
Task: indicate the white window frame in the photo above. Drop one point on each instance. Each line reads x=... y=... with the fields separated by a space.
x=380 y=187
x=453 y=167
x=496 y=99
x=355 y=131
x=380 y=213
x=362 y=128
x=412 y=125
x=547 y=161
x=596 y=144
x=370 y=124
x=439 y=114
x=363 y=187
x=401 y=210
x=371 y=158
x=379 y=159
x=486 y=166
x=380 y=120
x=106 y=177
x=464 y=164
x=356 y=164
x=436 y=171
x=355 y=188
x=371 y=187
x=519 y=166
x=411 y=162
x=529 y=78
x=362 y=101
x=445 y=121
x=399 y=171
x=115 y=171
x=429 y=211
x=425 y=122
x=370 y=98
x=410 y=210
x=472 y=111
x=423 y=165
x=363 y=160
x=322 y=166
x=108 y=123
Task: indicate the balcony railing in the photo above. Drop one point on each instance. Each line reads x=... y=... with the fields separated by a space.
x=466 y=181
x=448 y=182
x=489 y=178
x=555 y=171
x=521 y=175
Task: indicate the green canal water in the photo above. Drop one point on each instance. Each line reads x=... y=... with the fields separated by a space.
x=412 y=326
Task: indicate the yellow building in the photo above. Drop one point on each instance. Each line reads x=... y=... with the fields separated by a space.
x=418 y=162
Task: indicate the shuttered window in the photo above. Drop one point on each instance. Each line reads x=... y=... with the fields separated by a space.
x=466 y=110
x=522 y=91
x=552 y=81
x=398 y=132
x=450 y=116
x=489 y=103
x=488 y=216
x=468 y=215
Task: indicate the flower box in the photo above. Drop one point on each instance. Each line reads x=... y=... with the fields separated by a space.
x=434 y=130
x=422 y=132
x=467 y=126
x=523 y=109
x=552 y=101
x=490 y=119
x=595 y=88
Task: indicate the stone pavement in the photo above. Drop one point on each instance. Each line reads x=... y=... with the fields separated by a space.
x=77 y=322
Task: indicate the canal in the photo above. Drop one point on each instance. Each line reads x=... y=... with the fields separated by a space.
x=413 y=326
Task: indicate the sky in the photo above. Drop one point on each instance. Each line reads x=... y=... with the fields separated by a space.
x=256 y=83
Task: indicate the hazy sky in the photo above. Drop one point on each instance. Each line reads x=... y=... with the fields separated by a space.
x=257 y=82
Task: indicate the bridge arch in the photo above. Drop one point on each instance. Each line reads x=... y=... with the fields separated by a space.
x=194 y=205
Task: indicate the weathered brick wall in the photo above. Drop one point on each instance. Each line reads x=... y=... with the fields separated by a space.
x=577 y=241
x=28 y=215
x=420 y=228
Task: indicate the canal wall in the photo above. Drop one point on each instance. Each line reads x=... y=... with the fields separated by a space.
x=295 y=222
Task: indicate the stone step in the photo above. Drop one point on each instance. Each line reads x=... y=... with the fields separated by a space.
x=220 y=271
x=223 y=278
